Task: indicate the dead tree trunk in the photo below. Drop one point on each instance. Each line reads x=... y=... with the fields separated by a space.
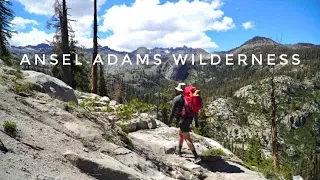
x=94 y=80
x=274 y=125
x=66 y=75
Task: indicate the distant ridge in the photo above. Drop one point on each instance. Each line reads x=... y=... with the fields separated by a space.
x=254 y=42
x=258 y=40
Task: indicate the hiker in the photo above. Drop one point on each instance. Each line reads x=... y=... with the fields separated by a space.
x=184 y=122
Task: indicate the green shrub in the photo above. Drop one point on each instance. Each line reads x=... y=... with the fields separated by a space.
x=266 y=167
x=69 y=104
x=7 y=60
x=78 y=95
x=4 y=79
x=253 y=153
x=18 y=74
x=124 y=112
x=10 y=128
x=23 y=87
x=88 y=103
x=108 y=109
x=214 y=152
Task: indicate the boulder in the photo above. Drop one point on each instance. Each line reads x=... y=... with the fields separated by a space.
x=105 y=99
x=160 y=123
x=127 y=126
x=51 y=85
x=141 y=124
x=1 y=62
x=152 y=124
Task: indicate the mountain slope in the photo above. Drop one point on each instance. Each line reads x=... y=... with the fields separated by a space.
x=59 y=140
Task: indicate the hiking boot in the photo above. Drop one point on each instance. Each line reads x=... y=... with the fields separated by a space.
x=179 y=153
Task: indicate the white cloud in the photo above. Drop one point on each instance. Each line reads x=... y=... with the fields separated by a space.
x=38 y=7
x=248 y=25
x=19 y=23
x=30 y=38
x=81 y=11
x=147 y=23
x=144 y=23
x=78 y=8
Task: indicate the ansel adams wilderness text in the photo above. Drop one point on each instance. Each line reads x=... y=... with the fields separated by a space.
x=215 y=59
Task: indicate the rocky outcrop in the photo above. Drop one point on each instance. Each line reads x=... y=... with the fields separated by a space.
x=75 y=143
x=50 y=85
x=160 y=145
x=103 y=167
x=221 y=109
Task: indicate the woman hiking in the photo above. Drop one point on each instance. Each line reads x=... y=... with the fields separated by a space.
x=184 y=122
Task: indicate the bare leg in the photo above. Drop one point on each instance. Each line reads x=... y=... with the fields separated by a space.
x=180 y=141
x=187 y=138
x=180 y=138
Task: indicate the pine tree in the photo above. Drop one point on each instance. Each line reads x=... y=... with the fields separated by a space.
x=274 y=125
x=6 y=15
x=102 y=83
x=61 y=43
x=94 y=80
x=66 y=75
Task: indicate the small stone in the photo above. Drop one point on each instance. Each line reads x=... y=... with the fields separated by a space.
x=105 y=99
x=152 y=124
x=113 y=103
x=85 y=149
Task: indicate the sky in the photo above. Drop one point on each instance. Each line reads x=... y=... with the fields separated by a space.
x=214 y=25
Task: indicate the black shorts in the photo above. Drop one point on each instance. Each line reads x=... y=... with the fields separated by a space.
x=185 y=124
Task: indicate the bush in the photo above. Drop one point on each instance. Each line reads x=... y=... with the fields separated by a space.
x=18 y=74
x=88 y=103
x=266 y=167
x=253 y=153
x=108 y=109
x=126 y=111
x=7 y=60
x=214 y=152
x=69 y=104
x=10 y=128
x=23 y=87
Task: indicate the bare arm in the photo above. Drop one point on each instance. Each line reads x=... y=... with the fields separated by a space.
x=173 y=110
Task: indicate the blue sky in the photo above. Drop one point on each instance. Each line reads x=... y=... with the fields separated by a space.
x=210 y=24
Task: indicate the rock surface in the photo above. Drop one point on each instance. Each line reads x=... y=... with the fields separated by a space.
x=74 y=143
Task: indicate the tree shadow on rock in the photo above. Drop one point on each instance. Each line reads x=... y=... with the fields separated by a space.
x=217 y=164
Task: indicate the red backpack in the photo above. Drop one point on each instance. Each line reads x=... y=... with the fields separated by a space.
x=192 y=104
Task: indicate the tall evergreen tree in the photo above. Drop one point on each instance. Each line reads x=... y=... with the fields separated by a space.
x=61 y=43
x=94 y=80
x=102 y=83
x=67 y=76
x=6 y=15
x=274 y=133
